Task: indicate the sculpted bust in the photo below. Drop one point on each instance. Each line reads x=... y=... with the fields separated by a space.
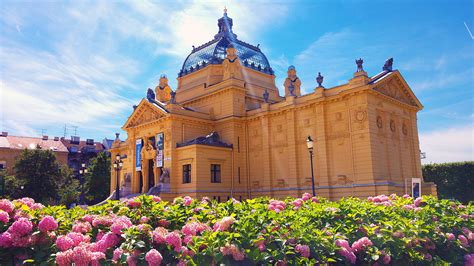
x=163 y=90
x=231 y=64
x=292 y=83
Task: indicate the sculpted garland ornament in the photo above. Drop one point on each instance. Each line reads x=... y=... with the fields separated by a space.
x=392 y=125
x=379 y=122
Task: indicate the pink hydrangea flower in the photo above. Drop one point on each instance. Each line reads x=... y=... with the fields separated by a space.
x=450 y=236
x=297 y=203
x=134 y=203
x=418 y=201
x=234 y=251
x=343 y=244
x=276 y=206
x=303 y=250
x=349 y=255
x=224 y=224
x=156 y=199
x=315 y=200
x=64 y=243
x=144 y=219
x=26 y=201
x=48 y=223
x=173 y=239
x=361 y=244
x=5 y=240
x=21 y=227
x=117 y=254
x=77 y=238
x=131 y=261
x=153 y=257
x=159 y=235
x=81 y=227
x=463 y=240
x=386 y=259
x=6 y=206
x=187 y=200
x=64 y=258
x=4 y=217
x=469 y=260
x=306 y=196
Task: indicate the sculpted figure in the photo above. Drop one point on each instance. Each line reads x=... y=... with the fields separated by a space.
x=292 y=83
x=231 y=64
x=388 y=65
x=163 y=90
x=359 y=63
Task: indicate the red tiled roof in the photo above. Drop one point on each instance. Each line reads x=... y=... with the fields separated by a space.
x=20 y=143
x=67 y=142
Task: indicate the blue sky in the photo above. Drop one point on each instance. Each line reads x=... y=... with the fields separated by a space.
x=85 y=63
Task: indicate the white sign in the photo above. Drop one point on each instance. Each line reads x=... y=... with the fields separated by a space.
x=159 y=158
x=415 y=187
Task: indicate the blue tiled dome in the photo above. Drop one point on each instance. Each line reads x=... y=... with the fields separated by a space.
x=213 y=52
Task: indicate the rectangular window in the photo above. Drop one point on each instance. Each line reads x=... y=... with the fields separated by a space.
x=215 y=173
x=238 y=173
x=238 y=144
x=186 y=173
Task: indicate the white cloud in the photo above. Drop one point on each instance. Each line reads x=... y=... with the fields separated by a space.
x=81 y=71
x=453 y=144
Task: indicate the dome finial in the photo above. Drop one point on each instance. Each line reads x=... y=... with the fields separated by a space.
x=225 y=10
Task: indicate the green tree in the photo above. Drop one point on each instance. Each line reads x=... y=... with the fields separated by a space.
x=11 y=185
x=40 y=173
x=453 y=180
x=97 y=186
x=68 y=189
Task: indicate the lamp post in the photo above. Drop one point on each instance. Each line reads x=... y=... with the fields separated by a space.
x=310 y=145
x=82 y=172
x=117 y=166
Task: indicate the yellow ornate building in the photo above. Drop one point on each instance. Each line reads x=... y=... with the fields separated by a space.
x=226 y=131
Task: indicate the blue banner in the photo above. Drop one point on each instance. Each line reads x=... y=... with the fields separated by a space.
x=138 y=154
x=159 y=149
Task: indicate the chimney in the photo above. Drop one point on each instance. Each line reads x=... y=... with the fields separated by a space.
x=4 y=134
x=45 y=137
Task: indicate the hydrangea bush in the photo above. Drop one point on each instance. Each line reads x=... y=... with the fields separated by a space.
x=382 y=230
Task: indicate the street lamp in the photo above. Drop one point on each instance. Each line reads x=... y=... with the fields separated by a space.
x=117 y=166
x=82 y=172
x=310 y=145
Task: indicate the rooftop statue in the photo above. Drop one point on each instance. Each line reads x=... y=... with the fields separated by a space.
x=150 y=95
x=232 y=67
x=163 y=90
x=388 y=65
x=266 y=96
x=359 y=63
x=319 y=80
x=292 y=83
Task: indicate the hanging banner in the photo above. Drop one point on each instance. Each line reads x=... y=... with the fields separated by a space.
x=138 y=154
x=416 y=187
x=160 y=139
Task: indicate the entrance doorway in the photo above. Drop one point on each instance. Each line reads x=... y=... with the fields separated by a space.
x=140 y=178
x=151 y=174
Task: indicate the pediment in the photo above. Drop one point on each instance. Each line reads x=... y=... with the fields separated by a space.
x=144 y=113
x=397 y=88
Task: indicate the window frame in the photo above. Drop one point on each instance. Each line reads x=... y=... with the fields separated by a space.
x=187 y=173
x=216 y=173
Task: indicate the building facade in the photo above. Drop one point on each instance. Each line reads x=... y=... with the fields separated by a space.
x=226 y=132
x=80 y=152
x=12 y=146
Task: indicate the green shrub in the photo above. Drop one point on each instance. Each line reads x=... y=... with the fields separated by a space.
x=453 y=180
x=302 y=231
